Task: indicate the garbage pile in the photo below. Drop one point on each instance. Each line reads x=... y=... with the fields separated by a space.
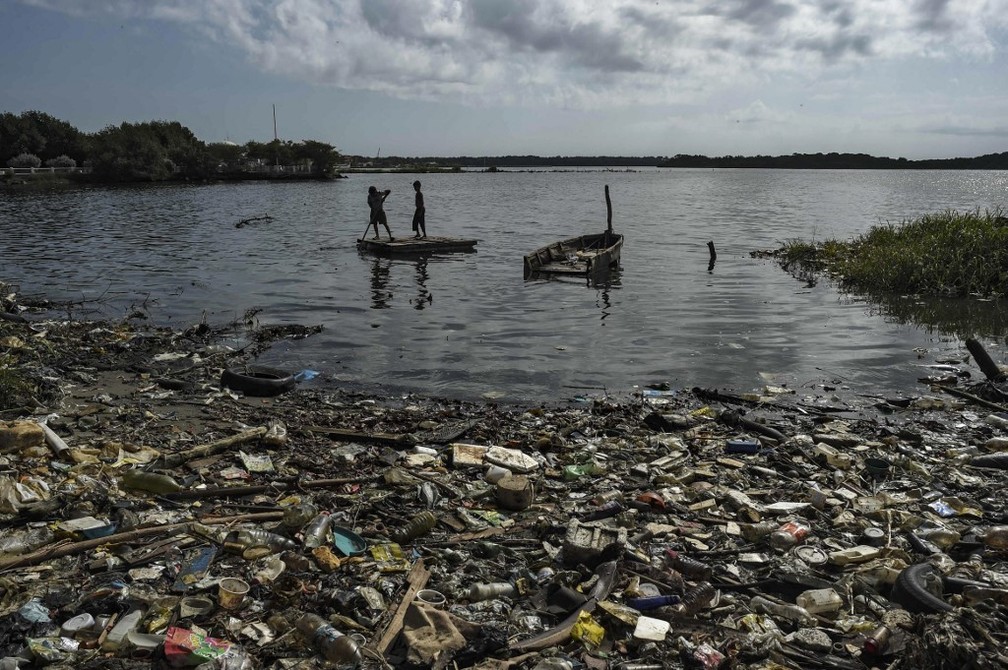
x=155 y=517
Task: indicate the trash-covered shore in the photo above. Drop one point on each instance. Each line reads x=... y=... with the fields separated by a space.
x=166 y=503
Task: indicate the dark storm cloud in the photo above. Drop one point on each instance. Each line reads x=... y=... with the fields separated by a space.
x=933 y=16
x=529 y=25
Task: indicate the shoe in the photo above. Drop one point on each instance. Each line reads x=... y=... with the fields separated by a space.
x=391 y=239
x=416 y=237
x=425 y=237
x=375 y=237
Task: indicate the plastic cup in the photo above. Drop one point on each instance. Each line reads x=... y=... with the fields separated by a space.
x=431 y=597
x=231 y=592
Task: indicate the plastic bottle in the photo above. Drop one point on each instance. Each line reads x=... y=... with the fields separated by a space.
x=943 y=538
x=479 y=592
x=996 y=537
x=333 y=645
x=246 y=538
x=117 y=636
x=646 y=603
x=687 y=566
x=788 y=535
x=792 y=612
x=876 y=641
x=296 y=516
x=419 y=525
x=752 y=532
x=816 y=601
x=603 y=511
x=998 y=421
x=696 y=599
x=152 y=482
x=317 y=532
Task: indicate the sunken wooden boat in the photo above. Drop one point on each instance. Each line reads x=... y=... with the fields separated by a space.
x=407 y=246
x=582 y=256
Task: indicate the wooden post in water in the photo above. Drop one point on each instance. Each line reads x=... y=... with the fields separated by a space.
x=608 y=207
x=713 y=256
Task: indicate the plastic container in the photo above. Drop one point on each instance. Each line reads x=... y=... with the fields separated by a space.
x=817 y=601
x=876 y=641
x=788 y=535
x=337 y=648
x=117 y=636
x=316 y=533
x=231 y=592
x=152 y=482
x=996 y=537
x=478 y=592
x=646 y=603
x=697 y=598
x=687 y=566
x=243 y=539
x=418 y=526
x=998 y=421
x=791 y=612
x=860 y=554
x=603 y=511
x=752 y=532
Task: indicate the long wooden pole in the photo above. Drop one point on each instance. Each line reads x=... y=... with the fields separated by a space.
x=608 y=207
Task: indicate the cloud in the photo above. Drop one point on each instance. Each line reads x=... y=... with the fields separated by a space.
x=571 y=53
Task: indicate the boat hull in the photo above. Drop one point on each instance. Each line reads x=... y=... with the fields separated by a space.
x=582 y=256
x=406 y=246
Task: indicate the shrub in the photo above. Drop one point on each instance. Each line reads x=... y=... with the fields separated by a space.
x=25 y=160
x=61 y=161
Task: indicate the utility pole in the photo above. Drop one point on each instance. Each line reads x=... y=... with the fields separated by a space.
x=276 y=140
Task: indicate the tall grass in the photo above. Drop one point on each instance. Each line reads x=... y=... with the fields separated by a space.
x=945 y=254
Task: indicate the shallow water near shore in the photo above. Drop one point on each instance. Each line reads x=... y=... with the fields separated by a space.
x=465 y=325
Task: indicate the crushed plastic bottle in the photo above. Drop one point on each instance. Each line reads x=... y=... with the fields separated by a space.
x=418 y=526
x=794 y=613
x=316 y=533
x=242 y=539
x=152 y=482
x=687 y=566
x=337 y=648
x=478 y=592
x=788 y=535
x=696 y=599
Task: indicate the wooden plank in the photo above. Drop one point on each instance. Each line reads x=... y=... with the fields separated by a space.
x=417 y=579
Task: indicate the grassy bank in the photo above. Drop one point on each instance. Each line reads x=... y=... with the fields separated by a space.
x=944 y=254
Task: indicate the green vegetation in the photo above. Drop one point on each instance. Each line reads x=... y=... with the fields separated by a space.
x=947 y=254
x=153 y=151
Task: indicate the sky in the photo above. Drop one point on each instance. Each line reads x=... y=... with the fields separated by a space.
x=899 y=78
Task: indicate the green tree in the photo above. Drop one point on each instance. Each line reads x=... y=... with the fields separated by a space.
x=323 y=157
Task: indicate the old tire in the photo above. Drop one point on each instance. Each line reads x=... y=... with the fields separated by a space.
x=911 y=592
x=257 y=380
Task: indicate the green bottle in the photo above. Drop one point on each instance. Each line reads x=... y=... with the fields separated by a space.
x=152 y=482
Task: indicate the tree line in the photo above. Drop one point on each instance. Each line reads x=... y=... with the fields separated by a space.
x=148 y=151
x=838 y=161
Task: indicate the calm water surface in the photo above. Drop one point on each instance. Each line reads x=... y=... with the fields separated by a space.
x=465 y=325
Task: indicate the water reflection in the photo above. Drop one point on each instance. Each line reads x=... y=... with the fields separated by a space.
x=424 y=297
x=961 y=317
x=380 y=271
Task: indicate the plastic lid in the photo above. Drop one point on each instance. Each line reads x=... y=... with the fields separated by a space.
x=811 y=554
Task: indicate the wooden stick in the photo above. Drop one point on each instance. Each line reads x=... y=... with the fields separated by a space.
x=417 y=579
x=975 y=398
x=278 y=485
x=59 y=550
x=214 y=447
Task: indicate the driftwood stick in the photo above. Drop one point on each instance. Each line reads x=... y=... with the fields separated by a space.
x=214 y=447
x=974 y=398
x=281 y=484
x=60 y=549
x=989 y=368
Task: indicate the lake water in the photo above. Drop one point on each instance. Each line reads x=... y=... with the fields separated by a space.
x=466 y=325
